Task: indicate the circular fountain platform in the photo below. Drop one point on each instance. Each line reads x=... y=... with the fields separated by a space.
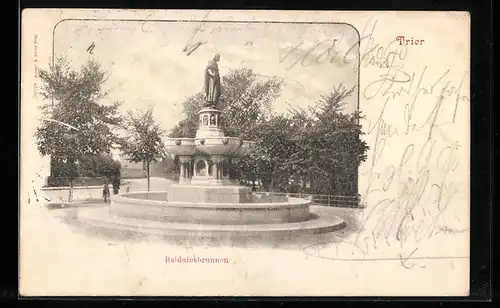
x=253 y=209
x=260 y=216
x=321 y=220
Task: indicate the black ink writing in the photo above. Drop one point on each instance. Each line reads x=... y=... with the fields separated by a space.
x=322 y=52
x=90 y=49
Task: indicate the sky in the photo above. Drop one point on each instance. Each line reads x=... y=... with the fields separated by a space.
x=147 y=65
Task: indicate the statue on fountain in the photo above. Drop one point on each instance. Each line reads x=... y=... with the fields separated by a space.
x=212 y=82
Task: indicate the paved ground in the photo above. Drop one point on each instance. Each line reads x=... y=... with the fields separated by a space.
x=57 y=259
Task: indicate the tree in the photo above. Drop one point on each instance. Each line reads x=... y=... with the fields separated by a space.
x=143 y=141
x=75 y=124
x=270 y=160
x=329 y=146
x=245 y=102
x=320 y=146
x=117 y=166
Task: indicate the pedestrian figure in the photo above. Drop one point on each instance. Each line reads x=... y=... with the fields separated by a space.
x=105 y=192
x=116 y=186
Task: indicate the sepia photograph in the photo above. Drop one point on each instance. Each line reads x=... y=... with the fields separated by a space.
x=244 y=153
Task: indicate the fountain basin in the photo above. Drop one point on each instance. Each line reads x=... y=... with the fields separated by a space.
x=180 y=146
x=154 y=206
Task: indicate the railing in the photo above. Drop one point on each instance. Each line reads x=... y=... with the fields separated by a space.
x=325 y=200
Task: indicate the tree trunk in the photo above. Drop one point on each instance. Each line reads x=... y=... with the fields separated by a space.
x=332 y=186
x=73 y=173
x=70 y=196
x=147 y=173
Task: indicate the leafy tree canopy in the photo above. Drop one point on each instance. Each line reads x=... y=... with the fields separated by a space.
x=75 y=122
x=143 y=141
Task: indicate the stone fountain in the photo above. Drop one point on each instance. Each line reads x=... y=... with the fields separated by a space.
x=206 y=162
x=207 y=201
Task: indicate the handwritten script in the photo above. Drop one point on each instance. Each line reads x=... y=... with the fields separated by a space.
x=412 y=184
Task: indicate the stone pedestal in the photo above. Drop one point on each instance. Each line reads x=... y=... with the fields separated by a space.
x=209 y=123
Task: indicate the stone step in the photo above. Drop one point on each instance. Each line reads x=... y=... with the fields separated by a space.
x=326 y=221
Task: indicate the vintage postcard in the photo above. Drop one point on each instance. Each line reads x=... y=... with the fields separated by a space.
x=244 y=153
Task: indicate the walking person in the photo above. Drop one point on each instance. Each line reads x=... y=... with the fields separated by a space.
x=105 y=192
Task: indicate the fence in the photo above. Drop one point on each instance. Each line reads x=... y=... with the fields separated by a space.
x=326 y=200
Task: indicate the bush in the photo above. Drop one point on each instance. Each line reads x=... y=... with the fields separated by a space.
x=97 y=166
x=92 y=170
x=77 y=182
